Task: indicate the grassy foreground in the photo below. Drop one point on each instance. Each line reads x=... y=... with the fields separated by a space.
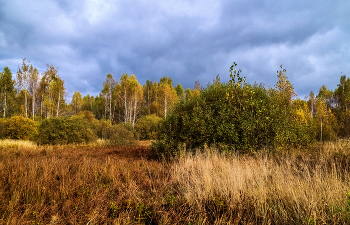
x=104 y=185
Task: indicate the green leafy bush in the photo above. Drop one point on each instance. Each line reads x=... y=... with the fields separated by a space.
x=147 y=126
x=116 y=135
x=211 y=119
x=62 y=130
x=121 y=134
x=104 y=129
x=3 y=124
x=237 y=116
x=88 y=116
x=18 y=127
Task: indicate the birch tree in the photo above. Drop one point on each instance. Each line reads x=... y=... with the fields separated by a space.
x=131 y=97
x=154 y=98
x=23 y=76
x=136 y=98
x=34 y=84
x=88 y=103
x=52 y=93
x=108 y=87
x=312 y=104
x=147 y=89
x=77 y=102
x=168 y=96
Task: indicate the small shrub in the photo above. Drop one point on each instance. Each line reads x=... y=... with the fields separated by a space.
x=18 y=127
x=61 y=130
x=87 y=115
x=147 y=127
x=3 y=125
x=103 y=129
x=121 y=134
x=116 y=135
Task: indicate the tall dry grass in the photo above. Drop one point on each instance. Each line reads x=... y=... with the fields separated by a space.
x=299 y=187
x=108 y=185
x=79 y=186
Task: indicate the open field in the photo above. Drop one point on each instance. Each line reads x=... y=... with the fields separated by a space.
x=93 y=184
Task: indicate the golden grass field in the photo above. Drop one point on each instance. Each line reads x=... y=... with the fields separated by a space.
x=93 y=184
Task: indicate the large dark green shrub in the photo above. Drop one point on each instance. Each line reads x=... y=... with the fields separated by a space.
x=212 y=119
x=62 y=130
x=235 y=116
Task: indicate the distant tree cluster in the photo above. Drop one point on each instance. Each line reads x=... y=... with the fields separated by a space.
x=42 y=96
x=32 y=94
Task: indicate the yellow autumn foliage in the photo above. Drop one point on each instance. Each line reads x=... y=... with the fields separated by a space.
x=18 y=127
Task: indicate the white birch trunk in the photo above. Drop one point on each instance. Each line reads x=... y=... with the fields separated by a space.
x=165 y=107
x=25 y=102
x=5 y=104
x=135 y=106
x=125 y=105
x=110 y=108
x=33 y=103
x=58 y=103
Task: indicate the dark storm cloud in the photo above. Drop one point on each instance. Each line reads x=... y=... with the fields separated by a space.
x=187 y=40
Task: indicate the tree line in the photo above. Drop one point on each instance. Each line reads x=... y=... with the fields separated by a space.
x=235 y=113
x=43 y=95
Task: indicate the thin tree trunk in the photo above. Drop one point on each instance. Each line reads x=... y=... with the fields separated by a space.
x=25 y=102
x=165 y=107
x=125 y=105
x=58 y=103
x=41 y=105
x=157 y=105
x=321 y=130
x=33 y=103
x=135 y=105
x=5 y=104
x=105 y=112
x=149 y=109
x=110 y=108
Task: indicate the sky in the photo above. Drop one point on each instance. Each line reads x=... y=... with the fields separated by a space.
x=188 y=41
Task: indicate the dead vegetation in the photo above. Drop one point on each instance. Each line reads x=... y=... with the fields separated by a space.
x=93 y=184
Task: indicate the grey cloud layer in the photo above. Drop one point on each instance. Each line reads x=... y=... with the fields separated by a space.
x=187 y=40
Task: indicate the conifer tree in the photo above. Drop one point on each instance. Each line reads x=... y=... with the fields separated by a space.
x=7 y=89
x=180 y=91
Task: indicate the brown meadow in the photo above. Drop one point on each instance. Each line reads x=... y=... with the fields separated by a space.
x=93 y=184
